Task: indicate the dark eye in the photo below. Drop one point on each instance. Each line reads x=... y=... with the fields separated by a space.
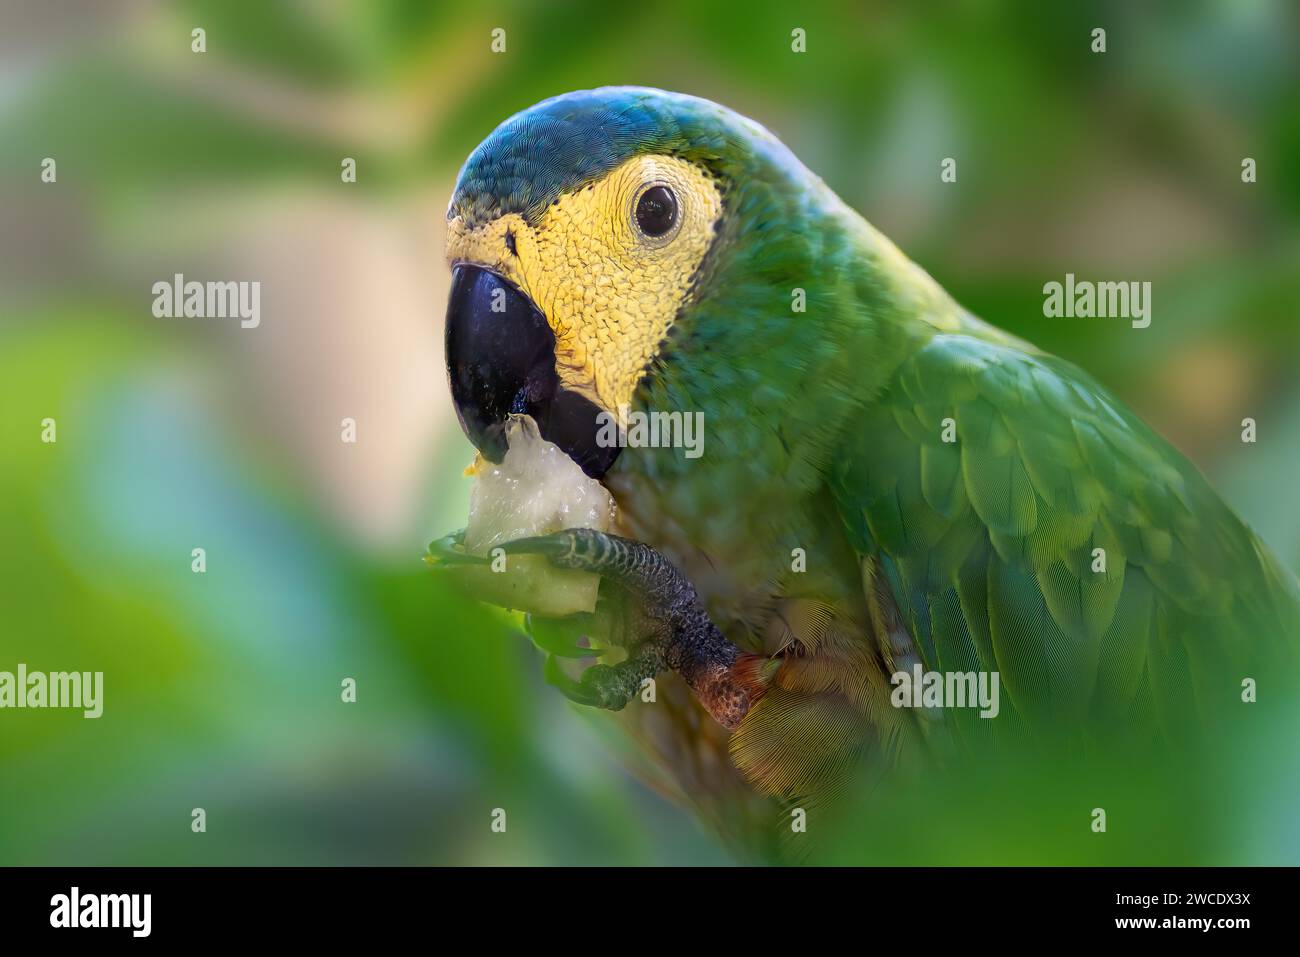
x=656 y=211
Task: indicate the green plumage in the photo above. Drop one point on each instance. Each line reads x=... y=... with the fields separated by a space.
x=994 y=539
x=825 y=434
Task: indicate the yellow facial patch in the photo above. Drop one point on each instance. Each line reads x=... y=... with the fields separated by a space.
x=609 y=291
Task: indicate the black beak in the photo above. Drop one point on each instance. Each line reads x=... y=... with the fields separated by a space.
x=501 y=359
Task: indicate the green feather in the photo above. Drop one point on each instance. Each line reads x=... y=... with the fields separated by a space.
x=1054 y=468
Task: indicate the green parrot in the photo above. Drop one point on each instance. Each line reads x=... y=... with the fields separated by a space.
x=884 y=487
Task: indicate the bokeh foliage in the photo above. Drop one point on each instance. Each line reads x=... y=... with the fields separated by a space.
x=222 y=690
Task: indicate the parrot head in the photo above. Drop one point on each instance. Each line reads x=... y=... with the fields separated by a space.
x=580 y=234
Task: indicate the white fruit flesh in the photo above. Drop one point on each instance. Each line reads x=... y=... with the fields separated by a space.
x=535 y=490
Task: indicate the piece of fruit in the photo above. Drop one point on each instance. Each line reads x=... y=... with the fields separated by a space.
x=535 y=490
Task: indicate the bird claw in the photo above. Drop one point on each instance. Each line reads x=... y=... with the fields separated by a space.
x=562 y=548
x=630 y=564
x=665 y=626
x=450 y=550
x=595 y=688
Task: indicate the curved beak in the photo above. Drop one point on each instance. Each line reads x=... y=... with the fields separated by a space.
x=501 y=360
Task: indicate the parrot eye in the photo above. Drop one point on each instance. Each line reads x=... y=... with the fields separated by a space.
x=656 y=211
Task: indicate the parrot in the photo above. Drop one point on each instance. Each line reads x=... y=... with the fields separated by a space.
x=888 y=487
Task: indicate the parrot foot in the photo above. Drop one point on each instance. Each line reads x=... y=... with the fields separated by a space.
x=673 y=628
x=450 y=550
x=607 y=686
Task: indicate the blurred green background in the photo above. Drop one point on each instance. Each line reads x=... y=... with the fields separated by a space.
x=222 y=690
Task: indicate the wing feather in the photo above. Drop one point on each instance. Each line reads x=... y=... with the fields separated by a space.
x=1058 y=541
